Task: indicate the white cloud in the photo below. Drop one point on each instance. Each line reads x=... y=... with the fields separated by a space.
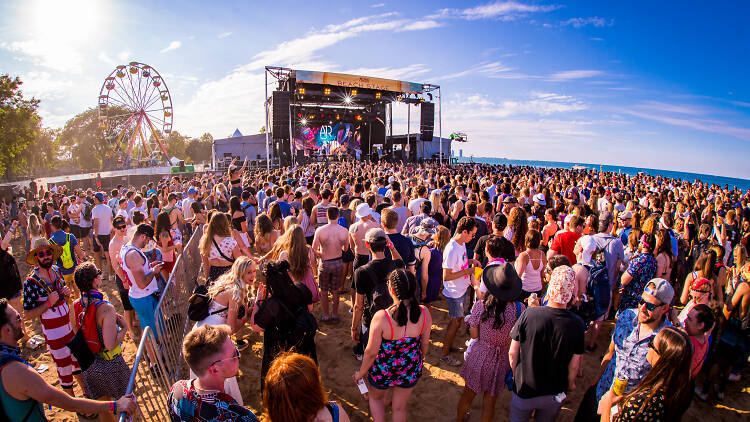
x=400 y=73
x=596 y=39
x=534 y=104
x=420 y=25
x=704 y=125
x=174 y=45
x=224 y=34
x=507 y=10
x=124 y=56
x=52 y=54
x=491 y=69
x=574 y=74
x=593 y=21
x=375 y=6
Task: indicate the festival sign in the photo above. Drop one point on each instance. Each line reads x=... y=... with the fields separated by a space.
x=354 y=81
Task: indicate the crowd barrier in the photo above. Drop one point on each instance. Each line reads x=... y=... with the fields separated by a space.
x=158 y=363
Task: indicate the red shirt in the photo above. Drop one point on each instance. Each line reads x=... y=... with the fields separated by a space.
x=700 y=350
x=564 y=243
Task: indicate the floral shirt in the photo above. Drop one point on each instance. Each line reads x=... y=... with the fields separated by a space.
x=185 y=404
x=642 y=268
x=629 y=358
x=643 y=408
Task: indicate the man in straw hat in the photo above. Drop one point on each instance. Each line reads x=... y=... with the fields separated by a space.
x=44 y=294
x=545 y=351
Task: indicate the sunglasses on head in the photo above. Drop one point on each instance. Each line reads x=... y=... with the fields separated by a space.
x=44 y=252
x=649 y=306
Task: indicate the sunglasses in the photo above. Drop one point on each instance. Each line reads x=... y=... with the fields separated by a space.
x=235 y=355
x=649 y=306
x=651 y=345
x=43 y=253
x=700 y=291
x=120 y=227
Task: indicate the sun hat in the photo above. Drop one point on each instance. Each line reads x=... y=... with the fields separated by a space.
x=540 y=199
x=502 y=281
x=561 y=285
x=427 y=226
x=363 y=210
x=40 y=244
x=625 y=215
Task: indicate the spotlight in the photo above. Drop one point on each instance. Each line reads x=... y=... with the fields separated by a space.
x=377 y=95
x=312 y=116
x=354 y=93
x=301 y=91
x=347 y=100
x=299 y=114
x=304 y=122
x=326 y=91
x=338 y=116
x=399 y=98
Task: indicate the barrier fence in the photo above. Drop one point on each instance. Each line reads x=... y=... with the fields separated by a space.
x=158 y=362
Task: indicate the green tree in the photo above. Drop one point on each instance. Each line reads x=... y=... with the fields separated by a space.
x=87 y=144
x=176 y=144
x=19 y=122
x=45 y=155
x=199 y=149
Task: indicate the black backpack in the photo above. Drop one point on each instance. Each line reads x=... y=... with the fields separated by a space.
x=304 y=327
x=381 y=298
x=199 y=304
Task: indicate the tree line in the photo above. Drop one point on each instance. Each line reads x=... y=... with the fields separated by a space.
x=29 y=149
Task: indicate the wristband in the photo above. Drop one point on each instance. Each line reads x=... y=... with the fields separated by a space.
x=113 y=407
x=49 y=303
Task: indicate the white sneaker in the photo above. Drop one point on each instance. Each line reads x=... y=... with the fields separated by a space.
x=734 y=377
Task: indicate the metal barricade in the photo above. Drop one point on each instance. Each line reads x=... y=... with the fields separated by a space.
x=149 y=382
x=171 y=313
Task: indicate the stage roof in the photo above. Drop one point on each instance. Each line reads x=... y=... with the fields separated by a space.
x=355 y=81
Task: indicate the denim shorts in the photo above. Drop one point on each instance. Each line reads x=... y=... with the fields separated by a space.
x=456 y=305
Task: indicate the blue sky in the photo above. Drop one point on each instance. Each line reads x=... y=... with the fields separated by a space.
x=646 y=84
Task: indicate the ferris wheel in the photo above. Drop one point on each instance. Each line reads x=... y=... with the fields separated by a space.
x=135 y=113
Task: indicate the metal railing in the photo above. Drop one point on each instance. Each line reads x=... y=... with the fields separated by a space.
x=149 y=382
x=158 y=362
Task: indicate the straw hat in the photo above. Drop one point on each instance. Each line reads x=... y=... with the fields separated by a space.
x=40 y=244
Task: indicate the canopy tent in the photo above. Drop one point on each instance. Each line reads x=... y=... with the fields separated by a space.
x=252 y=147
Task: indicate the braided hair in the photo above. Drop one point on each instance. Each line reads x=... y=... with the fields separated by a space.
x=404 y=285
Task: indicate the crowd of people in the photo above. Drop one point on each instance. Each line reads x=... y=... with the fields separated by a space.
x=532 y=262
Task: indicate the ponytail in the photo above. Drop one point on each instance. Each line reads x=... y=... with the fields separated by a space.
x=404 y=285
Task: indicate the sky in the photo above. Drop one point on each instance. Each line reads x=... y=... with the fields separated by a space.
x=646 y=84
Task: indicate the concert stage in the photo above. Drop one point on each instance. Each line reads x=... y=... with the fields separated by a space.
x=314 y=114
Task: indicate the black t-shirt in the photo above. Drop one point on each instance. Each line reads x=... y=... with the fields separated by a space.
x=480 y=250
x=481 y=231
x=366 y=276
x=405 y=248
x=549 y=338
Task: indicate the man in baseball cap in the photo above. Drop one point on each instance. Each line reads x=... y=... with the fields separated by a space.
x=634 y=330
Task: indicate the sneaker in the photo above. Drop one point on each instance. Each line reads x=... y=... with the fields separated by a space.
x=700 y=393
x=734 y=377
x=719 y=392
x=450 y=361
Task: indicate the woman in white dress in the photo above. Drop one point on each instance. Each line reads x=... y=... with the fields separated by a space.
x=228 y=306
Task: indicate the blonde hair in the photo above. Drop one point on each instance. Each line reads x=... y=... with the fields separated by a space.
x=293 y=242
x=218 y=225
x=232 y=280
x=34 y=228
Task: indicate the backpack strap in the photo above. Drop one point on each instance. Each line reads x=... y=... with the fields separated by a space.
x=220 y=252
x=424 y=319
x=519 y=309
x=333 y=409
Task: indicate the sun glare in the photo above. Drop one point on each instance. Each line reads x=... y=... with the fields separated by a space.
x=68 y=21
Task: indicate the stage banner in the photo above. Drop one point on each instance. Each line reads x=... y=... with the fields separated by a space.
x=354 y=81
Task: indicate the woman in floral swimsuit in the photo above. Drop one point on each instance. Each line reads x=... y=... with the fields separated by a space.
x=399 y=339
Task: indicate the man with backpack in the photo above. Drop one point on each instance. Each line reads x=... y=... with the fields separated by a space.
x=614 y=255
x=24 y=390
x=72 y=253
x=370 y=282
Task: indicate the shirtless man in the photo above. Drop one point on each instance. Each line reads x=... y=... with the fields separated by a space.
x=328 y=244
x=357 y=242
x=119 y=229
